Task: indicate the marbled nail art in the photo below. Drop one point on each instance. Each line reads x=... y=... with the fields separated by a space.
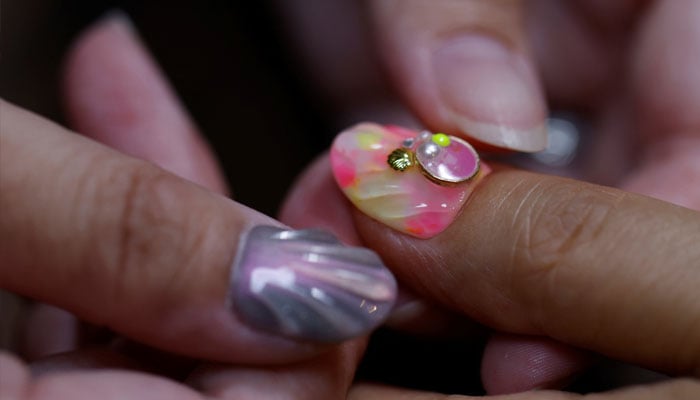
x=376 y=175
x=306 y=285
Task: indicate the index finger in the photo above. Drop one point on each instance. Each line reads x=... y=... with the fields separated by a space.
x=122 y=243
x=589 y=266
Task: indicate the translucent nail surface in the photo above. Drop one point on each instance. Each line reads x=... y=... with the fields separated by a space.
x=361 y=158
x=306 y=285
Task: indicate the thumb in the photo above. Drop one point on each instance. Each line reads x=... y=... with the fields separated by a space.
x=463 y=67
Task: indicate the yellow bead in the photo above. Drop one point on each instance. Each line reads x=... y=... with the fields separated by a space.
x=441 y=139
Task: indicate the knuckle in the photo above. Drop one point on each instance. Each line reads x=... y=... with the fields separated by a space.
x=140 y=227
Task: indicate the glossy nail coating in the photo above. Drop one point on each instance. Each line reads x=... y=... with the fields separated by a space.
x=403 y=199
x=306 y=285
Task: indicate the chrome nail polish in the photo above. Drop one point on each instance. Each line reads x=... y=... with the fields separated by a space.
x=306 y=285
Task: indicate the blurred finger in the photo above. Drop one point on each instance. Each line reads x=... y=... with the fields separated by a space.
x=116 y=95
x=464 y=68
x=683 y=389
x=48 y=330
x=75 y=385
x=85 y=359
x=327 y=377
x=667 y=88
x=516 y=363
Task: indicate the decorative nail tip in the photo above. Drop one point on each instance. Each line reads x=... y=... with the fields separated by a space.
x=525 y=140
x=413 y=182
x=306 y=285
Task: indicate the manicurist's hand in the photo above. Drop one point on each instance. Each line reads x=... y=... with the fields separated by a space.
x=116 y=237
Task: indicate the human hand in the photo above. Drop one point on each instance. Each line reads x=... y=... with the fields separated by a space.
x=124 y=244
x=592 y=267
x=627 y=67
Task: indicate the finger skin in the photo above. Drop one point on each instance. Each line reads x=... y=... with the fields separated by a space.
x=48 y=330
x=123 y=243
x=15 y=377
x=568 y=260
x=681 y=389
x=666 y=86
x=589 y=266
x=109 y=384
x=516 y=363
x=327 y=377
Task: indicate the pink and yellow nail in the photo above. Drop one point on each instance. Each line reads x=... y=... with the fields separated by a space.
x=415 y=182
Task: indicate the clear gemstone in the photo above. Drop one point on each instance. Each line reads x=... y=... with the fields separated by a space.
x=454 y=163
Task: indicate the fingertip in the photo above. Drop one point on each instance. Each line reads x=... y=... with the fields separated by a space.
x=14 y=377
x=95 y=55
x=666 y=82
x=514 y=363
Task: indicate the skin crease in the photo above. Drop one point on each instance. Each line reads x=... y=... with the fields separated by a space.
x=684 y=160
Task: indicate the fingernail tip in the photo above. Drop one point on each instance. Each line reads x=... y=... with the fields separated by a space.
x=527 y=140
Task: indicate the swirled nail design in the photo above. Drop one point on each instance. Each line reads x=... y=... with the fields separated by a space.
x=413 y=182
x=306 y=285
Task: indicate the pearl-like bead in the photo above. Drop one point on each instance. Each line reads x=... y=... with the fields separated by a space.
x=428 y=149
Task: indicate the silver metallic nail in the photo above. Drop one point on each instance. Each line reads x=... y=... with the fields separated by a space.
x=306 y=285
